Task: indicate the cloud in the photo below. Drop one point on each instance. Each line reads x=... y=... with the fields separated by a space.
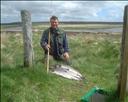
x=65 y=10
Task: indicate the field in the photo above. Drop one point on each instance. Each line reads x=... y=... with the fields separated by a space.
x=95 y=55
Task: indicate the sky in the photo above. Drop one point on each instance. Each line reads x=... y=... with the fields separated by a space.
x=106 y=11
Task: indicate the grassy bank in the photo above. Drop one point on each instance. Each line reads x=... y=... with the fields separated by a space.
x=95 y=57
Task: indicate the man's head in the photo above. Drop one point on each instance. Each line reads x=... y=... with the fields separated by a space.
x=54 y=22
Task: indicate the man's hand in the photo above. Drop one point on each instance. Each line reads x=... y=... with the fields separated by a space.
x=66 y=55
x=47 y=46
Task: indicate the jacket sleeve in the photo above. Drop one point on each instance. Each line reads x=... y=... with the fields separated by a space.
x=65 y=43
x=44 y=40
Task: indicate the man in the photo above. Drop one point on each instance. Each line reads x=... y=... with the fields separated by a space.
x=58 y=46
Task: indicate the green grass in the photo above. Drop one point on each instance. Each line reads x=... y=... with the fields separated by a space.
x=97 y=59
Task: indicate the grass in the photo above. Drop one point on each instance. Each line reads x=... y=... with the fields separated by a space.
x=95 y=57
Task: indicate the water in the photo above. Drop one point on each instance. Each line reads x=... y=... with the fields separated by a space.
x=108 y=30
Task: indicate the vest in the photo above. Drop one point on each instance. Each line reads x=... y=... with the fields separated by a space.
x=56 y=41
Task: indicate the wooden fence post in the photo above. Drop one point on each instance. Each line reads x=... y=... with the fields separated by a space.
x=27 y=38
x=122 y=82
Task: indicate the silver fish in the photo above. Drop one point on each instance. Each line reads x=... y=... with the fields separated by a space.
x=66 y=71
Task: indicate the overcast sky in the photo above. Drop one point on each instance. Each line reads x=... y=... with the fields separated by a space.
x=65 y=10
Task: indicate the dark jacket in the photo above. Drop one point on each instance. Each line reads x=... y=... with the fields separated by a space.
x=58 y=41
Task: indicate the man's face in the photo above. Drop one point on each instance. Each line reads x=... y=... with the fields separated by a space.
x=54 y=23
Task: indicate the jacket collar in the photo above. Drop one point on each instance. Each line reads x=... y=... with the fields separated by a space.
x=55 y=30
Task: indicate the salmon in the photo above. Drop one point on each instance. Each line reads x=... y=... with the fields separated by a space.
x=66 y=71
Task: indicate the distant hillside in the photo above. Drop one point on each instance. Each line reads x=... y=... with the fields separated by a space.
x=64 y=22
